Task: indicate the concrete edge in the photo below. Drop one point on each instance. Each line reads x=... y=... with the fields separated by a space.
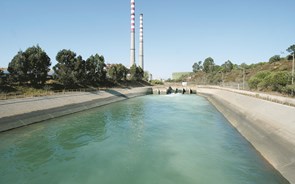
x=264 y=96
x=273 y=148
x=17 y=121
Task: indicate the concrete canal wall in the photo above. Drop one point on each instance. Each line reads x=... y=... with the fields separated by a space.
x=268 y=126
x=21 y=112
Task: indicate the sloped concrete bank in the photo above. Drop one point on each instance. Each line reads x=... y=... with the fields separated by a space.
x=268 y=126
x=21 y=112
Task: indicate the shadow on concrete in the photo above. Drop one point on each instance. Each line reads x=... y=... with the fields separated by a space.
x=116 y=93
x=32 y=99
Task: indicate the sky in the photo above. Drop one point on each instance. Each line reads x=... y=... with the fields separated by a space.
x=177 y=33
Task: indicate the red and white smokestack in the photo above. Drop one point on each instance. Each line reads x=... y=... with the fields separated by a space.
x=132 y=48
x=141 y=58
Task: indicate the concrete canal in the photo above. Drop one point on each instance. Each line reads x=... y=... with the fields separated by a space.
x=151 y=139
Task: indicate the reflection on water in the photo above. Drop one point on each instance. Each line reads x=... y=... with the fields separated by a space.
x=153 y=139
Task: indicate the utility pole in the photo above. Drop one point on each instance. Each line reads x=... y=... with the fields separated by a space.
x=293 y=73
x=222 y=80
x=243 y=78
x=293 y=68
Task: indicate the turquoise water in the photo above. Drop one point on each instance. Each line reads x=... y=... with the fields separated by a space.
x=177 y=139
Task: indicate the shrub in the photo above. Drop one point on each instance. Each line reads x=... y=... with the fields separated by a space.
x=289 y=88
x=253 y=82
x=256 y=81
x=275 y=58
x=279 y=80
x=156 y=82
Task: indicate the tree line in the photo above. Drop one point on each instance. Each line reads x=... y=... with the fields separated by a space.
x=32 y=66
x=272 y=79
x=208 y=66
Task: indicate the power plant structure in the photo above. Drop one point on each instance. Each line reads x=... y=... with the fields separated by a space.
x=132 y=48
x=132 y=45
x=141 y=58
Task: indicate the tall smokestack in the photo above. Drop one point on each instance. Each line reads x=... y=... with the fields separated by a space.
x=141 y=58
x=132 y=48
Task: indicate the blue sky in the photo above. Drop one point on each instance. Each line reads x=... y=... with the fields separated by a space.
x=177 y=33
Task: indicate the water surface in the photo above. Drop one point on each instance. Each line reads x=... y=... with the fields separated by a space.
x=177 y=139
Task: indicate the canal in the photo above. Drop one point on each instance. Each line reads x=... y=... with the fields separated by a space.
x=179 y=139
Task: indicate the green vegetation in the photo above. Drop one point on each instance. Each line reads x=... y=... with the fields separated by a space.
x=136 y=73
x=2 y=78
x=28 y=73
x=30 y=66
x=157 y=82
x=274 y=75
x=208 y=65
x=227 y=66
x=275 y=58
x=197 y=66
x=179 y=76
x=117 y=72
x=274 y=81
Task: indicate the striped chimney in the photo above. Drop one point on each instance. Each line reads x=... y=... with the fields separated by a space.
x=132 y=48
x=141 y=58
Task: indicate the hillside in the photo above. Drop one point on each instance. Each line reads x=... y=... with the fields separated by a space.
x=277 y=76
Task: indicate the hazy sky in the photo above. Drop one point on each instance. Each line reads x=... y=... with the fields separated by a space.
x=177 y=33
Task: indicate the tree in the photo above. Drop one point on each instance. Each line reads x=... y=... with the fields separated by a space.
x=39 y=64
x=136 y=73
x=122 y=72
x=133 y=73
x=197 y=67
x=146 y=76
x=140 y=73
x=227 y=66
x=80 y=70
x=65 y=68
x=245 y=66
x=117 y=72
x=18 y=68
x=208 y=65
x=112 y=72
x=30 y=66
x=95 y=69
x=2 y=77
x=291 y=49
x=274 y=58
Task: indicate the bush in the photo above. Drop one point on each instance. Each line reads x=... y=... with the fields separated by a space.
x=156 y=82
x=289 y=88
x=257 y=81
x=279 y=80
x=265 y=80
x=275 y=58
x=253 y=82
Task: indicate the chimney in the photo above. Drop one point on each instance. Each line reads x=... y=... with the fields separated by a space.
x=132 y=47
x=141 y=58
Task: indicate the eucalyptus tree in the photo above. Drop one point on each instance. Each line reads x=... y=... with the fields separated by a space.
x=227 y=66
x=197 y=66
x=208 y=65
